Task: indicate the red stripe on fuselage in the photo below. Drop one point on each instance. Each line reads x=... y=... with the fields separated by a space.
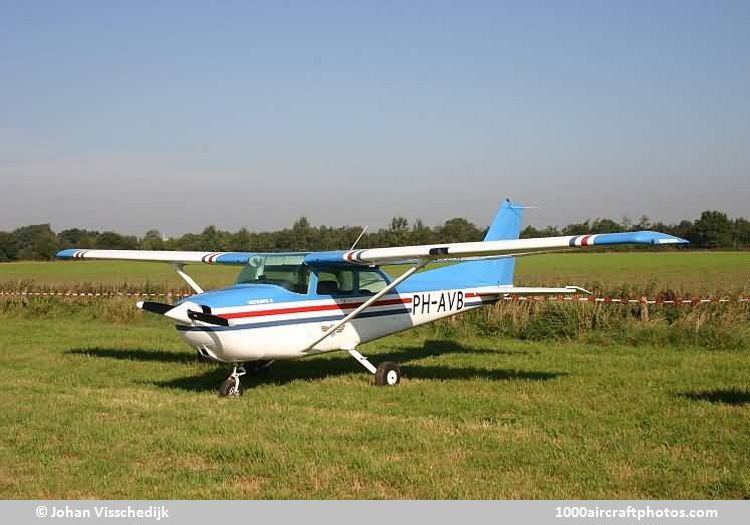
x=585 y=240
x=313 y=308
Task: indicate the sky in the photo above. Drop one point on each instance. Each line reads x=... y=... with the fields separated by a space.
x=175 y=115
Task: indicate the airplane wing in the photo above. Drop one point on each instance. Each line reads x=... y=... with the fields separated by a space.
x=235 y=258
x=495 y=249
x=397 y=255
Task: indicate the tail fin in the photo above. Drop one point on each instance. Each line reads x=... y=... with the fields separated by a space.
x=507 y=223
x=505 y=226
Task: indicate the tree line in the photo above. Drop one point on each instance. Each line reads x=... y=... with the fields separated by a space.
x=713 y=230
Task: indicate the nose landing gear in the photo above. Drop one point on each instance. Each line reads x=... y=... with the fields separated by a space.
x=231 y=385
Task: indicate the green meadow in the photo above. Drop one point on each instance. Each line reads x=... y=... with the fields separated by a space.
x=93 y=409
x=640 y=271
x=531 y=400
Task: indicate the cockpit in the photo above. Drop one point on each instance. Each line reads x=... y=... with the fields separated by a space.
x=287 y=271
x=291 y=273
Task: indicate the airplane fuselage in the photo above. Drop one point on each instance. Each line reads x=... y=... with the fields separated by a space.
x=270 y=323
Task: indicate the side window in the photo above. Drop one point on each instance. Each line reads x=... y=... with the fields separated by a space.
x=371 y=282
x=335 y=282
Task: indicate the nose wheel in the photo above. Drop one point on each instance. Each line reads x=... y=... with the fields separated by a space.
x=231 y=385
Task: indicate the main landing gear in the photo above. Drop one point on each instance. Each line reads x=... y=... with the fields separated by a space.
x=386 y=373
x=231 y=385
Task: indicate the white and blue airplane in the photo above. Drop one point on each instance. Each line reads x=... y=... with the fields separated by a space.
x=293 y=305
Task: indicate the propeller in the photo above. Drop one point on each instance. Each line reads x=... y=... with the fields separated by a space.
x=184 y=312
x=207 y=318
x=156 y=308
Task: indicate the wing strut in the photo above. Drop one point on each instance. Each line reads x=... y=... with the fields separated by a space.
x=354 y=313
x=179 y=268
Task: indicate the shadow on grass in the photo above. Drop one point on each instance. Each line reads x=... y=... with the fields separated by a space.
x=284 y=372
x=317 y=368
x=137 y=355
x=727 y=396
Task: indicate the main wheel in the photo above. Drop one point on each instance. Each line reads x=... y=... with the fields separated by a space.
x=230 y=387
x=388 y=374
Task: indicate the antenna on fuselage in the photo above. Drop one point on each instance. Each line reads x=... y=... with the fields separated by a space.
x=360 y=237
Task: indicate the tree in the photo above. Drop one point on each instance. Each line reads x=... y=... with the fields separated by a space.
x=605 y=226
x=35 y=242
x=115 y=241
x=684 y=229
x=421 y=234
x=214 y=239
x=77 y=238
x=8 y=250
x=644 y=223
x=459 y=230
x=580 y=228
x=530 y=232
x=303 y=234
x=741 y=233
x=241 y=241
x=713 y=230
x=152 y=241
x=398 y=232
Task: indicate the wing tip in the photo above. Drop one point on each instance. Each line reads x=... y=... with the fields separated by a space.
x=67 y=254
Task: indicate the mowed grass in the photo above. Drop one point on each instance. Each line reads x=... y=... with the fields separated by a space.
x=90 y=409
x=98 y=409
x=112 y=274
x=681 y=271
x=689 y=272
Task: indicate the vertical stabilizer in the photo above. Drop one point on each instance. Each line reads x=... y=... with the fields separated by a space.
x=505 y=226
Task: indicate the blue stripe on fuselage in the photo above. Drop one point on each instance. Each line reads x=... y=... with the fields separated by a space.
x=304 y=320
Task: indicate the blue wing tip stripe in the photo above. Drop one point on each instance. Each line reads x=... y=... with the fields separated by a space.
x=233 y=258
x=71 y=253
x=640 y=237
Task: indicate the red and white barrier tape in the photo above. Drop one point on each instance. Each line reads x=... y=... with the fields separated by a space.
x=93 y=294
x=582 y=299
x=617 y=300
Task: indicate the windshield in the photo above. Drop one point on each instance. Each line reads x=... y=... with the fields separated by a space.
x=287 y=271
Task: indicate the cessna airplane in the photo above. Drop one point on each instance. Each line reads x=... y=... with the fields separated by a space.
x=293 y=305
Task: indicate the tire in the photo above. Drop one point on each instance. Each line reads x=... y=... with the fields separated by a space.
x=388 y=374
x=227 y=386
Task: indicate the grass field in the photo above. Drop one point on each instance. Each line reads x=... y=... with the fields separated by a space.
x=98 y=400
x=682 y=271
x=100 y=410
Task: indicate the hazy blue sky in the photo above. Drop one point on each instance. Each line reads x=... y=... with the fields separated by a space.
x=138 y=115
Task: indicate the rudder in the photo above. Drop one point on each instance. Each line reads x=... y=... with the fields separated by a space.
x=505 y=226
